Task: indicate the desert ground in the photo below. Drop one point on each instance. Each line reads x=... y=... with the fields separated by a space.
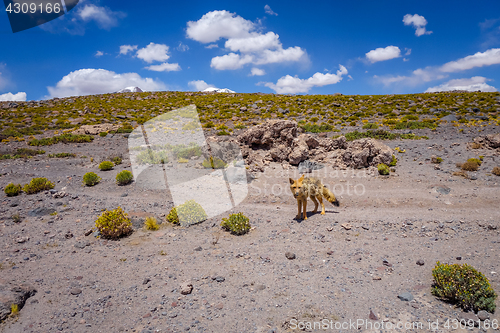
x=344 y=269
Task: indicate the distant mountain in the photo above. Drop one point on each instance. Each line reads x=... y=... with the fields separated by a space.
x=224 y=90
x=130 y=89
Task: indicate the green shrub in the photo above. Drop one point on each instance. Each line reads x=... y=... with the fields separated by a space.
x=106 y=165
x=151 y=224
x=436 y=159
x=394 y=161
x=12 y=190
x=383 y=169
x=91 y=179
x=116 y=160
x=464 y=285
x=470 y=166
x=182 y=151
x=37 y=185
x=188 y=213
x=150 y=156
x=237 y=224
x=214 y=163
x=124 y=177
x=114 y=224
x=103 y=134
x=370 y=126
x=475 y=160
x=62 y=155
x=315 y=128
x=223 y=132
x=65 y=138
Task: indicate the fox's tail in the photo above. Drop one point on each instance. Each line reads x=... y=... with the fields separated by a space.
x=328 y=195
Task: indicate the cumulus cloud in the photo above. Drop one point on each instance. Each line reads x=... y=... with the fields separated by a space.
x=230 y=61
x=19 y=97
x=92 y=81
x=254 y=43
x=475 y=83
x=211 y=46
x=218 y=24
x=257 y=72
x=269 y=11
x=200 y=85
x=165 y=67
x=480 y=59
x=432 y=73
x=125 y=49
x=104 y=17
x=182 y=47
x=98 y=54
x=418 y=22
x=153 y=52
x=245 y=43
x=382 y=54
x=293 y=85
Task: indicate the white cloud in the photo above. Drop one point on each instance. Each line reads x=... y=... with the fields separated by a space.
x=182 y=47
x=269 y=11
x=124 y=49
x=165 y=67
x=153 y=52
x=432 y=73
x=382 y=54
x=292 y=85
x=218 y=24
x=100 y=81
x=473 y=84
x=98 y=54
x=480 y=59
x=257 y=72
x=254 y=43
x=200 y=85
x=253 y=47
x=104 y=17
x=19 y=97
x=418 y=22
x=408 y=51
x=230 y=61
x=211 y=46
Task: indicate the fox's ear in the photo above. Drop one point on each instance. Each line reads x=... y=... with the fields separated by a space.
x=291 y=181
x=301 y=178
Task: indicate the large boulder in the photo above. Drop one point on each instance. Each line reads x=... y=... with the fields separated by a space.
x=13 y=294
x=493 y=140
x=270 y=133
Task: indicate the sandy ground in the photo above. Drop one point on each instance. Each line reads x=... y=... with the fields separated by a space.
x=354 y=259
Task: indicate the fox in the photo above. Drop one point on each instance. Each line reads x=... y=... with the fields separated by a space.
x=314 y=189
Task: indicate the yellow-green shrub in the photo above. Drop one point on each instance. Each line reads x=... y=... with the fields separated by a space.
x=151 y=224
x=106 y=165
x=237 y=224
x=114 y=224
x=12 y=190
x=124 y=177
x=464 y=285
x=37 y=185
x=188 y=213
x=383 y=169
x=91 y=179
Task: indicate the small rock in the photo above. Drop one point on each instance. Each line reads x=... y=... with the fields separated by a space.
x=146 y=281
x=372 y=316
x=290 y=255
x=406 y=296
x=81 y=245
x=386 y=263
x=420 y=262
x=466 y=316
x=346 y=226
x=186 y=288
x=219 y=278
x=21 y=240
x=68 y=234
x=483 y=315
x=198 y=248
x=88 y=232
x=459 y=258
x=377 y=278
x=75 y=291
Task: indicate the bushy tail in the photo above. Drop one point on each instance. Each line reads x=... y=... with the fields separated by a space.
x=328 y=195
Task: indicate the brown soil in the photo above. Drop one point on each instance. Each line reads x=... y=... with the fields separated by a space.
x=354 y=259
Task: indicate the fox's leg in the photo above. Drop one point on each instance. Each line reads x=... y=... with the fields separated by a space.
x=315 y=203
x=299 y=207
x=304 y=203
x=322 y=205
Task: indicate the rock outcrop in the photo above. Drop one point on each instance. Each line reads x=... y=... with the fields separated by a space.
x=490 y=141
x=13 y=295
x=280 y=141
x=96 y=129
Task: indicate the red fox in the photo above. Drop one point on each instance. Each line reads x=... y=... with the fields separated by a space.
x=314 y=189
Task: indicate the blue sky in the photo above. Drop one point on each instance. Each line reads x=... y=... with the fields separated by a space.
x=297 y=47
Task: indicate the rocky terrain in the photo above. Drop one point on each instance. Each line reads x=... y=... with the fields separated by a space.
x=366 y=262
